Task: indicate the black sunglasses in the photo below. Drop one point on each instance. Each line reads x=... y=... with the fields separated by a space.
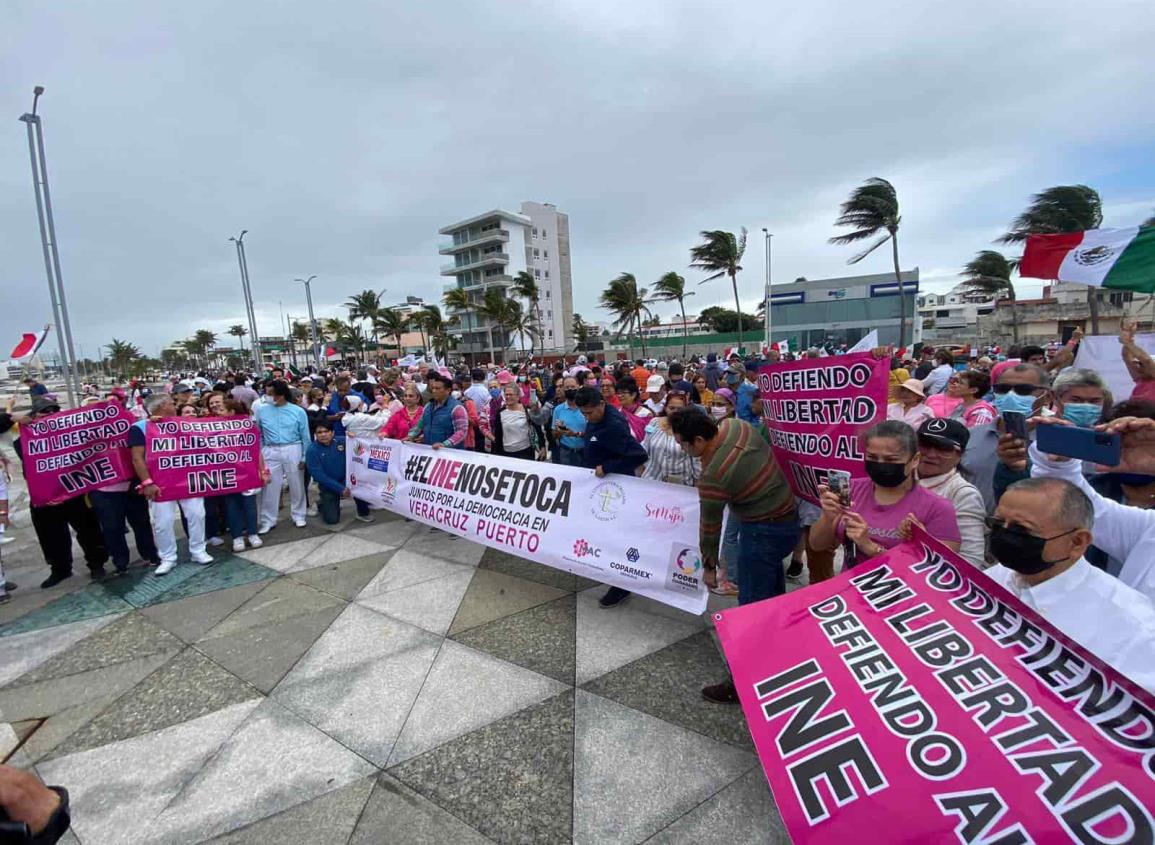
x=994 y=522
x=1020 y=389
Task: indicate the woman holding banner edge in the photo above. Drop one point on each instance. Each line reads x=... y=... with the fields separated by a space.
x=883 y=506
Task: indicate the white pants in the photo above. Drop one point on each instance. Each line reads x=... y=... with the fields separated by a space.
x=283 y=462
x=164 y=526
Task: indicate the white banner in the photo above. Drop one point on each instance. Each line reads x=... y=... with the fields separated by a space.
x=620 y=530
x=1104 y=354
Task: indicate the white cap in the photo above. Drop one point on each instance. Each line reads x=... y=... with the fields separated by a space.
x=655 y=383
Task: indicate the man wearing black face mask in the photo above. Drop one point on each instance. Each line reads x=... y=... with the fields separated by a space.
x=1040 y=530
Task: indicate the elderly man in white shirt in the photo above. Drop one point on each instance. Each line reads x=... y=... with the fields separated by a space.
x=1042 y=528
x=1123 y=532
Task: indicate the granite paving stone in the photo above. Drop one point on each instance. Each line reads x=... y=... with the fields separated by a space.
x=328 y=820
x=393 y=534
x=446 y=546
x=281 y=760
x=668 y=684
x=22 y=653
x=431 y=605
x=230 y=572
x=627 y=797
x=530 y=754
x=743 y=813
x=286 y=555
x=406 y=568
x=149 y=770
x=190 y=618
x=359 y=681
x=89 y=603
x=282 y=599
x=126 y=638
x=465 y=690
x=142 y=586
x=346 y=579
x=188 y=686
x=399 y=816
x=530 y=570
x=492 y=595
x=67 y=720
x=335 y=549
x=611 y=637
x=541 y=638
x=262 y=654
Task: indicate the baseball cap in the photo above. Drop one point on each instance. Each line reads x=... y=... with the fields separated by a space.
x=655 y=383
x=947 y=433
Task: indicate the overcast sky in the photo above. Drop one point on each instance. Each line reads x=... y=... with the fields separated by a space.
x=342 y=136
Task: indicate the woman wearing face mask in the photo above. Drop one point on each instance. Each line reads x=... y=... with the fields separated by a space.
x=941 y=443
x=666 y=459
x=886 y=503
x=722 y=403
x=722 y=406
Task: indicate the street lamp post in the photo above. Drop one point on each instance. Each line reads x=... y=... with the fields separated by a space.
x=769 y=328
x=243 y=264
x=312 y=321
x=48 y=242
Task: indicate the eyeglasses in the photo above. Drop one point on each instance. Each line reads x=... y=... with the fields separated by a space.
x=1020 y=389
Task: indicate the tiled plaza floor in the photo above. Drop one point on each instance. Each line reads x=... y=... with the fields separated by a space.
x=378 y=684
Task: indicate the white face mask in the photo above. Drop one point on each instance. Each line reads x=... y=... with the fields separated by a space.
x=718 y=411
x=457 y=394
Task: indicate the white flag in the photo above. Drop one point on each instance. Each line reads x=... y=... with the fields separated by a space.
x=866 y=344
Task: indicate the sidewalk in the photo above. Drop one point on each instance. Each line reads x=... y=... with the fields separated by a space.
x=383 y=683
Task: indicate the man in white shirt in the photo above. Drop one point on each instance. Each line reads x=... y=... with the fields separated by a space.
x=655 y=394
x=1042 y=528
x=943 y=367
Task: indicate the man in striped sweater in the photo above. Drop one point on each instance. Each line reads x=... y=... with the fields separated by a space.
x=739 y=470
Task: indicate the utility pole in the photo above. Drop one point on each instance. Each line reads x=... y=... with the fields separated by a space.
x=48 y=242
x=312 y=321
x=769 y=329
x=243 y=264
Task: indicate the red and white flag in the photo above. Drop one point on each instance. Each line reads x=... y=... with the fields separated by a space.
x=29 y=344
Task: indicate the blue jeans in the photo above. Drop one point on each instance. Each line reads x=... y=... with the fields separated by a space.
x=112 y=509
x=761 y=548
x=730 y=546
x=329 y=506
x=242 y=513
x=572 y=457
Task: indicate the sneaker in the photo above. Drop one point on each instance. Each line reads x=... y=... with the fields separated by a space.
x=256 y=542
x=301 y=524
x=166 y=566
x=367 y=518
x=312 y=511
x=265 y=529
x=203 y=558
x=725 y=588
x=239 y=544
x=54 y=579
x=723 y=693
x=614 y=597
x=5 y=598
x=9 y=586
x=794 y=570
x=216 y=541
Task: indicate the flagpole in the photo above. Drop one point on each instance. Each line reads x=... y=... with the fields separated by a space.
x=769 y=329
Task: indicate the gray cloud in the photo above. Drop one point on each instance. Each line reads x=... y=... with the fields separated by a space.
x=343 y=138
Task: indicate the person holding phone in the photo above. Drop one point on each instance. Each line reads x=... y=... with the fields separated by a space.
x=569 y=425
x=886 y=503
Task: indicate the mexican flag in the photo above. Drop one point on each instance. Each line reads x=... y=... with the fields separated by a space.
x=1123 y=259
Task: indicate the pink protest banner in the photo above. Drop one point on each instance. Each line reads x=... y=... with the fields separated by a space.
x=912 y=699
x=191 y=457
x=70 y=453
x=815 y=410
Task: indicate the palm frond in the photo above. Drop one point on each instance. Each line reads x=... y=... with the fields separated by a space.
x=869 y=250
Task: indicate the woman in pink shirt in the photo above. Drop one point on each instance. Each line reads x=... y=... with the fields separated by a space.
x=969 y=388
x=405 y=417
x=887 y=503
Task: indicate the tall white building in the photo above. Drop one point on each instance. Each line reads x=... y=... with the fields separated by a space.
x=490 y=249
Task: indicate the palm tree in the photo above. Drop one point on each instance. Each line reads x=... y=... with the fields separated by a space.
x=205 y=341
x=502 y=310
x=525 y=285
x=1062 y=208
x=721 y=255
x=457 y=299
x=391 y=323
x=300 y=334
x=627 y=302
x=365 y=305
x=581 y=332
x=238 y=331
x=872 y=211
x=436 y=328
x=416 y=320
x=988 y=276
x=121 y=354
x=523 y=323
x=672 y=288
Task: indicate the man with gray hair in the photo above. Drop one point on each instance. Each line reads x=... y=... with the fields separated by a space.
x=164 y=513
x=1080 y=396
x=1040 y=531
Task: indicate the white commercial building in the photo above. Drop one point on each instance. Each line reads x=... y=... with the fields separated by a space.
x=952 y=317
x=490 y=249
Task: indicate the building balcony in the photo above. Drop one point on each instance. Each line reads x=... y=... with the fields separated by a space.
x=503 y=280
x=494 y=258
x=492 y=236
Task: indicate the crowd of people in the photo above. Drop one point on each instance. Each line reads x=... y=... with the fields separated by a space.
x=1073 y=540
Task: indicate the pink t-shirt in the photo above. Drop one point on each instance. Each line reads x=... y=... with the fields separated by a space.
x=931 y=509
x=1144 y=389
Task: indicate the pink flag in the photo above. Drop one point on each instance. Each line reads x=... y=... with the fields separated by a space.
x=912 y=699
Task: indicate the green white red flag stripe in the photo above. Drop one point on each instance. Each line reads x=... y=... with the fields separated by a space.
x=29 y=344
x=1123 y=259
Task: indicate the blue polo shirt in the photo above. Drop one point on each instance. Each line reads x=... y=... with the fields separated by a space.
x=572 y=419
